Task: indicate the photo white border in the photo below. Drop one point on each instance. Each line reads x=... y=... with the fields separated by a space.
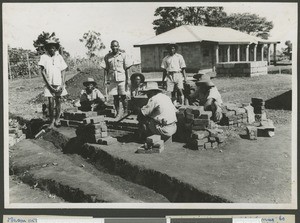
x=292 y=205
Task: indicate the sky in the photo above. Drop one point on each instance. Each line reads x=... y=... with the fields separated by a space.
x=129 y=23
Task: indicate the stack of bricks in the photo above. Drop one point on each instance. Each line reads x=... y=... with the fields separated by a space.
x=15 y=132
x=154 y=144
x=265 y=129
x=196 y=129
x=259 y=109
x=234 y=114
x=74 y=119
x=94 y=130
x=109 y=111
x=206 y=139
x=242 y=69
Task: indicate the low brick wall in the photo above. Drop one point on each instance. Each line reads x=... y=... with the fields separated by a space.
x=242 y=69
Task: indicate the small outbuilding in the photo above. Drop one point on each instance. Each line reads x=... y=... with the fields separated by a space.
x=223 y=50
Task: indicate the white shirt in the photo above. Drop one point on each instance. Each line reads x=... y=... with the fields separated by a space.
x=95 y=94
x=173 y=63
x=160 y=107
x=212 y=93
x=54 y=66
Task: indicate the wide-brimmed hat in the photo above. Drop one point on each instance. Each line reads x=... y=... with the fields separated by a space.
x=52 y=41
x=90 y=80
x=171 y=45
x=205 y=80
x=200 y=73
x=151 y=86
x=133 y=76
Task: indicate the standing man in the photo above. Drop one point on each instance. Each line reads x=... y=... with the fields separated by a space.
x=116 y=65
x=174 y=70
x=52 y=67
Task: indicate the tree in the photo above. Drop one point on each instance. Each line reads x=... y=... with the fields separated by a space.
x=93 y=43
x=288 y=50
x=172 y=17
x=249 y=23
x=39 y=43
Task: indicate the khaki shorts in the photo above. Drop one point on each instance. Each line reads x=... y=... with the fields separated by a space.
x=158 y=129
x=117 y=88
x=48 y=94
x=174 y=81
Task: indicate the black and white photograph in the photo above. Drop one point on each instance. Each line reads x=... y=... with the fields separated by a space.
x=150 y=105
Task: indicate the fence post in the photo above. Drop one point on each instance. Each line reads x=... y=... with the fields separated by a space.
x=28 y=64
x=9 y=69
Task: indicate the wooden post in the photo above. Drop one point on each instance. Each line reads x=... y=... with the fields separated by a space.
x=255 y=52
x=247 y=53
x=28 y=64
x=274 y=53
x=262 y=52
x=217 y=53
x=9 y=69
x=268 y=55
x=228 y=53
x=238 y=53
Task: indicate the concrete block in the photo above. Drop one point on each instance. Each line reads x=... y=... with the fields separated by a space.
x=153 y=139
x=207 y=145
x=199 y=121
x=75 y=123
x=199 y=127
x=201 y=142
x=104 y=134
x=214 y=145
x=260 y=117
x=268 y=124
x=256 y=101
x=189 y=110
x=251 y=132
x=265 y=132
x=94 y=120
x=212 y=139
x=197 y=111
x=250 y=114
x=97 y=125
x=213 y=132
x=107 y=140
x=104 y=128
x=240 y=111
x=229 y=113
x=199 y=134
x=190 y=116
x=206 y=115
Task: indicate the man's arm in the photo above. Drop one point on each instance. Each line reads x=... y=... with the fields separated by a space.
x=183 y=73
x=42 y=71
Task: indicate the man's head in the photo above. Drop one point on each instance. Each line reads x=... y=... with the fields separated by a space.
x=114 y=45
x=137 y=78
x=51 y=46
x=90 y=84
x=204 y=83
x=172 y=48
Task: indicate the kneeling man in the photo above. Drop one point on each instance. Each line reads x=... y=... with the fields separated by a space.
x=158 y=116
x=207 y=95
x=91 y=99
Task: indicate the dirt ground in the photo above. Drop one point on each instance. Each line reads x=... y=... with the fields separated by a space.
x=270 y=158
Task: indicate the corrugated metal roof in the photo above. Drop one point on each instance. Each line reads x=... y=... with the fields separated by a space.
x=189 y=33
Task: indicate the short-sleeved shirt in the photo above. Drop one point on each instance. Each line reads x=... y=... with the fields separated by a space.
x=54 y=66
x=160 y=107
x=173 y=63
x=116 y=66
x=95 y=94
x=212 y=93
x=137 y=91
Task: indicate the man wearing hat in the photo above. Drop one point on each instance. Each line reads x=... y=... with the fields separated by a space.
x=159 y=115
x=174 y=72
x=91 y=99
x=116 y=64
x=52 y=69
x=137 y=84
x=207 y=95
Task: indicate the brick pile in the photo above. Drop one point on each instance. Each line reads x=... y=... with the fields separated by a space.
x=94 y=130
x=74 y=119
x=259 y=109
x=196 y=129
x=234 y=114
x=154 y=144
x=266 y=128
x=15 y=132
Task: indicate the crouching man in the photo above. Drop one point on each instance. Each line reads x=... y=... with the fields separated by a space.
x=91 y=99
x=207 y=95
x=158 y=116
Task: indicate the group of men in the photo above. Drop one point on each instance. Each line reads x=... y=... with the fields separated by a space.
x=158 y=116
